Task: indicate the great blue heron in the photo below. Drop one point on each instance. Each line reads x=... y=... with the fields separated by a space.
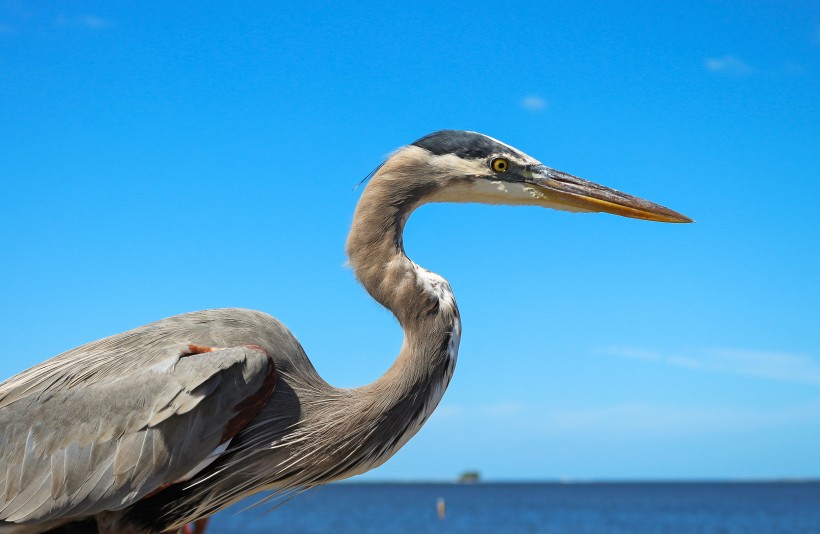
x=150 y=429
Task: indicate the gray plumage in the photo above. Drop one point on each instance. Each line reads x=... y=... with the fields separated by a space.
x=147 y=430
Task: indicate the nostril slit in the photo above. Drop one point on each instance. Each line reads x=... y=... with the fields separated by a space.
x=561 y=178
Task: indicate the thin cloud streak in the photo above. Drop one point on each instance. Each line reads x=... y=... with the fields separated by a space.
x=86 y=20
x=93 y=21
x=632 y=420
x=502 y=409
x=668 y=421
x=534 y=103
x=728 y=64
x=20 y=18
x=769 y=365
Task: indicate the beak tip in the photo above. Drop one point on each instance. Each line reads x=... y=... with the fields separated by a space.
x=681 y=218
x=658 y=214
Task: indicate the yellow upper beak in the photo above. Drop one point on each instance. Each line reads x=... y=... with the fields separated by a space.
x=565 y=190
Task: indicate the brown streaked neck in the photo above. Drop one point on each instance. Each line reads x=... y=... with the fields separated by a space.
x=422 y=301
x=375 y=247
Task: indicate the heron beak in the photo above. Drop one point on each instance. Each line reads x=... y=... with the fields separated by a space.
x=562 y=190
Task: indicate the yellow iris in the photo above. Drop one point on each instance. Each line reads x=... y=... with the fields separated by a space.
x=500 y=165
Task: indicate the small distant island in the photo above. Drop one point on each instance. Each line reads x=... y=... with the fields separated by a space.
x=469 y=477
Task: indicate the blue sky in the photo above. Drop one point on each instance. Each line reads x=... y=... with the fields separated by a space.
x=172 y=156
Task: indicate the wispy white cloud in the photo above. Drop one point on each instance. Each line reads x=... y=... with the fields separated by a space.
x=669 y=421
x=630 y=420
x=631 y=352
x=684 y=361
x=768 y=365
x=86 y=20
x=26 y=18
x=93 y=21
x=481 y=411
x=728 y=64
x=633 y=418
x=534 y=103
x=502 y=409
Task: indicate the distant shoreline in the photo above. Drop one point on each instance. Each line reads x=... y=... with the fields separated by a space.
x=594 y=482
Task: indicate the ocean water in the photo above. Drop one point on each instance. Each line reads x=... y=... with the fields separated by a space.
x=535 y=508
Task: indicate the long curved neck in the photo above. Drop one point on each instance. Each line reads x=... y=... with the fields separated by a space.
x=422 y=302
x=344 y=432
x=376 y=254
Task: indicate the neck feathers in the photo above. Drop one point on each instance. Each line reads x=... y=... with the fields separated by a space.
x=421 y=300
x=375 y=245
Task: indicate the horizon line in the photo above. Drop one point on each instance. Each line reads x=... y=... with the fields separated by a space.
x=582 y=481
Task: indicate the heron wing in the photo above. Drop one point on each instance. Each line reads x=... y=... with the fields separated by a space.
x=100 y=427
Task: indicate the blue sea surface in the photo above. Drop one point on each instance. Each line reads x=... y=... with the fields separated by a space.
x=538 y=507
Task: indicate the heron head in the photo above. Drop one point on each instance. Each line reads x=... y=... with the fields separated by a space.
x=472 y=167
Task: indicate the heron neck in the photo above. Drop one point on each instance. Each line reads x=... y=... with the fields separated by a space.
x=424 y=305
x=376 y=253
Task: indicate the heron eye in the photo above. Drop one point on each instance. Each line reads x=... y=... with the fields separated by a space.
x=500 y=165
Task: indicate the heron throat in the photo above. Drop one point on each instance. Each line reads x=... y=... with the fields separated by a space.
x=421 y=301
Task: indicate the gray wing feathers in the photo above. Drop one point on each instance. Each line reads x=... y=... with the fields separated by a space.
x=102 y=426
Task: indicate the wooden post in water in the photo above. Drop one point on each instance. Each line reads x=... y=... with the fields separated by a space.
x=441 y=508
